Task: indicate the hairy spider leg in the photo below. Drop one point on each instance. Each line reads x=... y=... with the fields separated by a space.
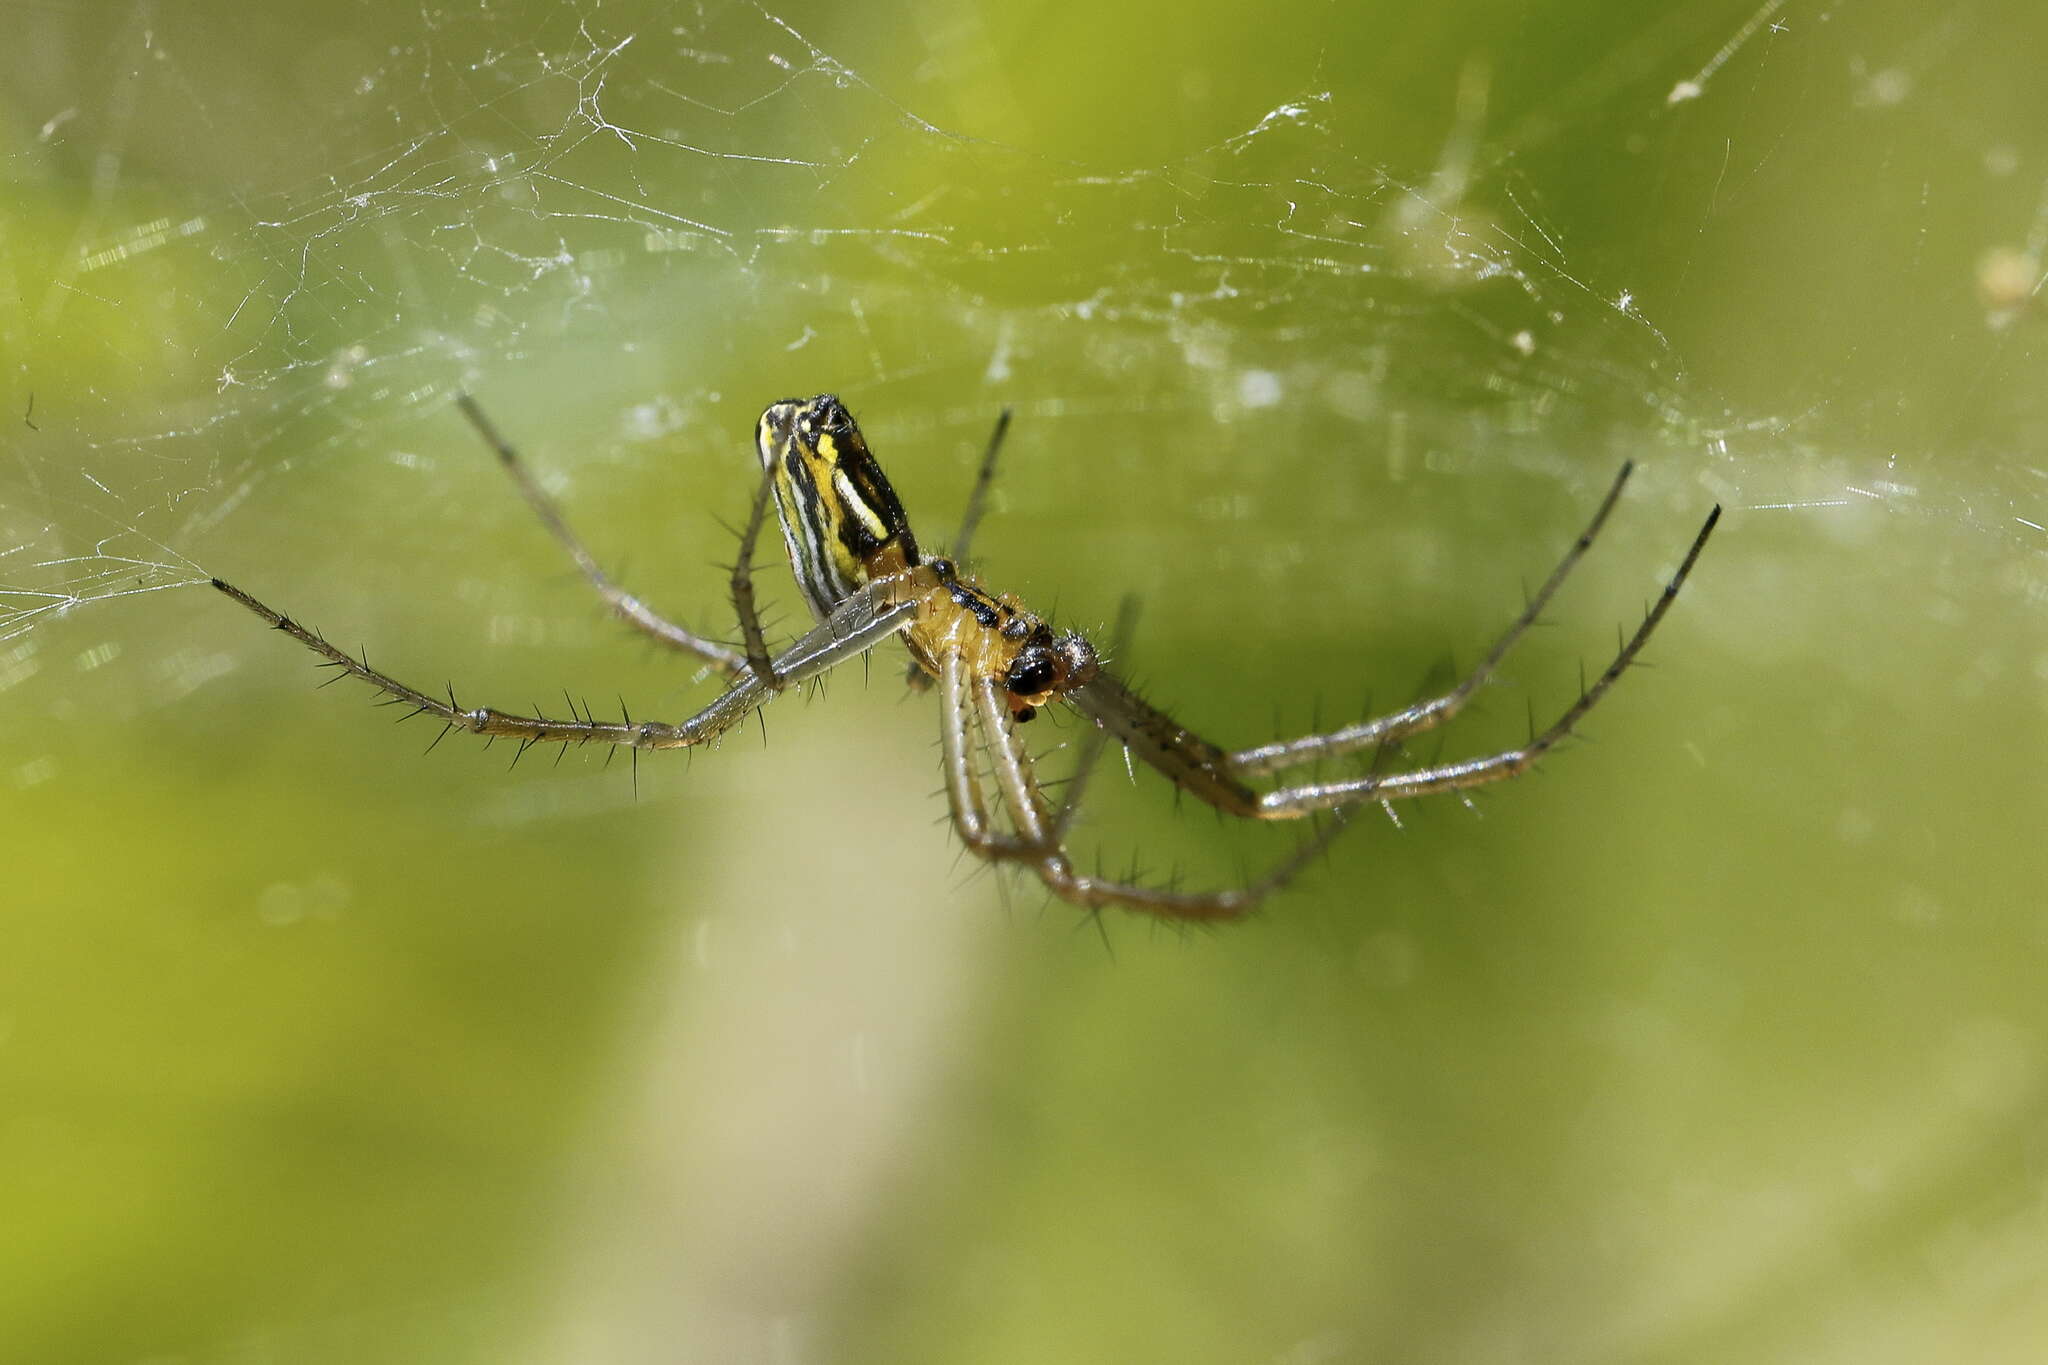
x=914 y=676
x=1212 y=775
x=977 y=497
x=625 y=605
x=1097 y=738
x=753 y=658
x=971 y=702
x=742 y=583
x=877 y=611
x=1427 y=715
x=1291 y=802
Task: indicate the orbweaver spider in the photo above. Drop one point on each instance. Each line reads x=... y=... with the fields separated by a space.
x=865 y=579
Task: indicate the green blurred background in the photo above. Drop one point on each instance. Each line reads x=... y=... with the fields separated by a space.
x=1720 y=1039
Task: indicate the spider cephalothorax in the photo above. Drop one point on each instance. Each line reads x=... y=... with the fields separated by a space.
x=995 y=664
x=1048 y=667
x=999 y=639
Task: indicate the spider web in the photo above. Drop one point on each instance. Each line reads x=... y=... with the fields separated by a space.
x=637 y=206
x=1275 y=301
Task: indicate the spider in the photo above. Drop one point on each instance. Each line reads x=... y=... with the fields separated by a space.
x=996 y=665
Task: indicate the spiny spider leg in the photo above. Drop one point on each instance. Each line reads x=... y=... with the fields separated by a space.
x=914 y=677
x=963 y=784
x=757 y=661
x=858 y=624
x=629 y=608
x=1474 y=772
x=977 y=499
x=1157 y=740
x=1016 y=782
x=1097 y=738
x=1037 y=842
x=1205 y=771
x=1427 y=715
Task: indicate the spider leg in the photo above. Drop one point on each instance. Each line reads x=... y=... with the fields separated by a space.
x=1098 y=737
x=857 y=625
x=625 y=605
x=977 y=499
x=1291 y=802
x=1031 y=813
x=968 y=705
x=1203 y=770
x=963 y=785
x=757 y=660
x=1154 y=738
x=1426 y=715
x=915 y=677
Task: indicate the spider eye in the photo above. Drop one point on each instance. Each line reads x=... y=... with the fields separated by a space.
x=1079 y=657
x=1032 y=673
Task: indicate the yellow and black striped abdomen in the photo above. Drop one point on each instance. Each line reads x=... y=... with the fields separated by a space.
x=841 y=522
